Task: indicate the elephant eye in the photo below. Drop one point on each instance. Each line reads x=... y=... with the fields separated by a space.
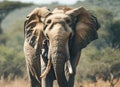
x=68 y=21
x=48 y=21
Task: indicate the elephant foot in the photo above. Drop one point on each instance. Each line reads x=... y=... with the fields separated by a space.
x=71 y=80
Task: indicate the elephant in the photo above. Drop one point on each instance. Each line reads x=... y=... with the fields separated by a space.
x=54 y=41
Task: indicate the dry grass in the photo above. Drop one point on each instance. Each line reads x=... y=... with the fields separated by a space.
x=23 y=83
x=14 y=83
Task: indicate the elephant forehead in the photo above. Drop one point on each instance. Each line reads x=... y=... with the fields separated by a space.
x=58 y=16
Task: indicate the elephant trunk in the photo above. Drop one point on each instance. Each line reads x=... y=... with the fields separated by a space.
x=58 y=54
x=58 y=65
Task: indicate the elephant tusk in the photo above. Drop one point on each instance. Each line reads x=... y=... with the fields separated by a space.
x=68 y=61
x=69 y=67
x=47 y=69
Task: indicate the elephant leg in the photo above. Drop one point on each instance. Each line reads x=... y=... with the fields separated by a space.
x=71 y=80
x=74 y=62
x=48 y=80
x=33 y=65
x=34 y=73
x=34 y=77
x=34 y=82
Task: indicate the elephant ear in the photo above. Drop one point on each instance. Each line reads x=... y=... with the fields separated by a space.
x=85 y=27
x=33 y=26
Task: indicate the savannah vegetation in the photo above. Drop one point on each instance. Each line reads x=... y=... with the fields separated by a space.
x=100 y=60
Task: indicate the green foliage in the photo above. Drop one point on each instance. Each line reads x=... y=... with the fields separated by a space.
x=11 y=62
x=8 y=6
x=11 y=4
x=95 y=62
x=115 y=34
x=3 y=39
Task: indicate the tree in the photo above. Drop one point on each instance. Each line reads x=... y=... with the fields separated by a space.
x=115 y=34
x=6 y=7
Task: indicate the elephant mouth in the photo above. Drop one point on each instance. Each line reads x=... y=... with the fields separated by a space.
x=49 y=63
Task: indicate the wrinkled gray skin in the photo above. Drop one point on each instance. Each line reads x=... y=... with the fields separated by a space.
x=67 y=32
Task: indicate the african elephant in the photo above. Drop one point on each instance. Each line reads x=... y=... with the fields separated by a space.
x=53 y=43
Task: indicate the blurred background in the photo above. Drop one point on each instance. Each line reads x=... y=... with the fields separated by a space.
x=99 y=65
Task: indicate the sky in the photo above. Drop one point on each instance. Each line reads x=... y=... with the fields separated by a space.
x=48 y=1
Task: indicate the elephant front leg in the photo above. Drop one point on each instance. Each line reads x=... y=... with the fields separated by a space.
x=33 y=81
x=48 y=80
x=74 y=62
x=71 y=80
x=33 y=68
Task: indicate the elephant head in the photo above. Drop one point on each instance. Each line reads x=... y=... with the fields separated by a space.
x=67 y=31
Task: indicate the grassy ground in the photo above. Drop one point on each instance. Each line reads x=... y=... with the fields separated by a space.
x=23 y=83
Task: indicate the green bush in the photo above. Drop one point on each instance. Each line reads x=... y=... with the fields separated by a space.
x=97 y=62
x=11 y=62
x=115 y=34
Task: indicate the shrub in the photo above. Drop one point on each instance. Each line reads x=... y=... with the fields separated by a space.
x=11 y=62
